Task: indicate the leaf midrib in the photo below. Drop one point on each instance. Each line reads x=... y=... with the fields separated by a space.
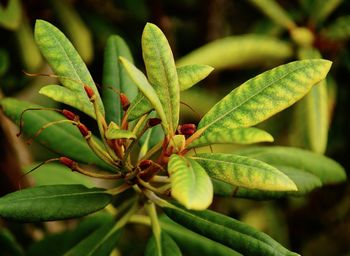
x=253 y=95
x=170 y=120
x=54 y=196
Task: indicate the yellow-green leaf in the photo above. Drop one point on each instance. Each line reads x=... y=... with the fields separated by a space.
x=244 y=172
x=161 y=72
x=326 y=169
x=114 y=132
x=235 y=136
x=66 y=63
x=190 y=184
x=275 y=12
x=265 y=95
x=238 y=51
x=144 y=86
x=189 y=75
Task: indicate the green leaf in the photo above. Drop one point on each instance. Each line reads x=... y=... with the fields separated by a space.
x=235 y=136
x=151 y=138
x=310 y=120
x=142 y=83
x=192 y=243
x=244 y=172
x=275 y=12
x=11 y=15
x=54 y=202
x=339 y=29
x=227 y=231
x=66 y=96
x=265 y=95
x=239 y=51
x=190 y=184
x=75 y=28
x=52 y=173
x=189 y=75
x=305 y=182
x=323 y=167
x=161 y=72
x=58 y=244
x=168 y=246
x=64 y=139
x=138 y=107
x=114 y=132
x=114 y=76
x=322 y=9
x=101 y=242
x=66 y=63
x=8 y=244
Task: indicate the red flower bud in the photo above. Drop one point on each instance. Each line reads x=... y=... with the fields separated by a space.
x=69 y=115
x=89 y=91
x=83 y=130
x=153 y=122
x=144 y=164
x=187 y=129
x=124 y=101
x=67 y=162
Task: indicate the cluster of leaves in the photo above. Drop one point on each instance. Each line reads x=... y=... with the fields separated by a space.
x=144 y=148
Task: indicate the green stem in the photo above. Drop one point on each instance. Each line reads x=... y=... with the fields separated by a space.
x=140 y=219
x=152 y=213
x=118 y=190
x=152 y=151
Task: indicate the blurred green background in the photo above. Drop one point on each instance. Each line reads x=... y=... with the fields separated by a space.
x=316 y=225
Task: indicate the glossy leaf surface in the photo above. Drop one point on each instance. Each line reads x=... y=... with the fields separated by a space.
x=239 y=51
x=66 y=63
x=323 y=167
x=244 y=172
x=67 y=140
x=144 y=86
x=190 y=184
x=161 y=72
x=54 y=202
x=116 y=78
x=228 y=231
x=265 y=95
x=189 y=75
x=247 y=135
x=275 y=12
x=168 y=246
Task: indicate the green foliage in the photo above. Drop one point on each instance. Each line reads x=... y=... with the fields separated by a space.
x=151 y=157
x=115 y=78
x=54 y=202
x=68 y=65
